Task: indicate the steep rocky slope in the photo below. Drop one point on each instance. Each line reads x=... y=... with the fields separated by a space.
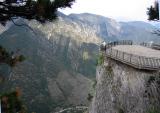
x=106 y=28
x=123 y=89
x=54 y=70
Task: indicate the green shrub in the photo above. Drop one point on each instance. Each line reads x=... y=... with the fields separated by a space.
x=120 y=110
x=90 y=97
x=100 y=59
x=154 y=110
x=13 y=102
x=94 y=83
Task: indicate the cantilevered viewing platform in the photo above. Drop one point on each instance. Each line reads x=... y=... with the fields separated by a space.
x=138 y=50
x=137 y=56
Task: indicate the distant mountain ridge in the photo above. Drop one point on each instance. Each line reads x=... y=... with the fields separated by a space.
x=109 y=29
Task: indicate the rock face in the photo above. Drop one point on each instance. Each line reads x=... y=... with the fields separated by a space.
x=123 y=89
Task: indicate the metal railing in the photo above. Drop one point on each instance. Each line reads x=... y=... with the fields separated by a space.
x=140 y=62
x=121 y=42
x=115 y=43
x=151 y=45
x=145 y=44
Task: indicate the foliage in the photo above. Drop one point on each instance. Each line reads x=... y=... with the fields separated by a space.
x=21 y=58
x=11 y=102
x=94 y=84
x=10 y=58
x=120 y=110
x=100 y=59
x=90 y=97
x=153 y=110
x=41 y=10
x=153 y=12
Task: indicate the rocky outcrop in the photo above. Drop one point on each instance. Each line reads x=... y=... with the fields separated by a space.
x=123 y=89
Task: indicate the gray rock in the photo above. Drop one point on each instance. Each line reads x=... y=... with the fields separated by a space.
x=123 y=89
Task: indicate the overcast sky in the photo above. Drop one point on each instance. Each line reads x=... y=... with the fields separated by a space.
x=123 y=10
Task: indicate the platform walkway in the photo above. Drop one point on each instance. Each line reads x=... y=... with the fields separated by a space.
x=127 y=53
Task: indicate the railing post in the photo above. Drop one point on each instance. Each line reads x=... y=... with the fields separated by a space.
x=156 y=62
x=147 y=62
x=130 y=58
x=111 y=52
x=116 y=53
x=144 y=62
x=123 y=55
x=140 y=62
x=150 y=62
x=159 y=62
x=153 y=62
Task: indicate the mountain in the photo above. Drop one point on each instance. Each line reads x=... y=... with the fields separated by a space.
x=96 y=28
x=103 y=27
x=110 y=30
x=138 y=32
x=61 y=57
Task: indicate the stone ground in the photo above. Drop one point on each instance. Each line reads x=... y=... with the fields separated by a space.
x=138 y=50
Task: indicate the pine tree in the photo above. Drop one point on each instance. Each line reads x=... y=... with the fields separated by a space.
x=10 y=58
x=41 y=10
x=153 y=12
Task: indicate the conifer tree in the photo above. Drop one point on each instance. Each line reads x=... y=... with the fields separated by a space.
x=153 y=15
x=41 y=10
x=153 y=12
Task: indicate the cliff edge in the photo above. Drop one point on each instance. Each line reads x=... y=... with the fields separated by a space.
x=124 y=89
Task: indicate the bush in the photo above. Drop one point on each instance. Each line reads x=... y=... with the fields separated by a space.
x=11 y=102
x=100 y=59
x=90 y=97
x=94 y=84
x=154 y=110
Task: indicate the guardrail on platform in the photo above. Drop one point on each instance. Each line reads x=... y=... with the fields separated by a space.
x=121 y=42
x=140 y=62
x=115 y=43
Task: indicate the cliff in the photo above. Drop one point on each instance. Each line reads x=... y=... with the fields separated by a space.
x=124 y=89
